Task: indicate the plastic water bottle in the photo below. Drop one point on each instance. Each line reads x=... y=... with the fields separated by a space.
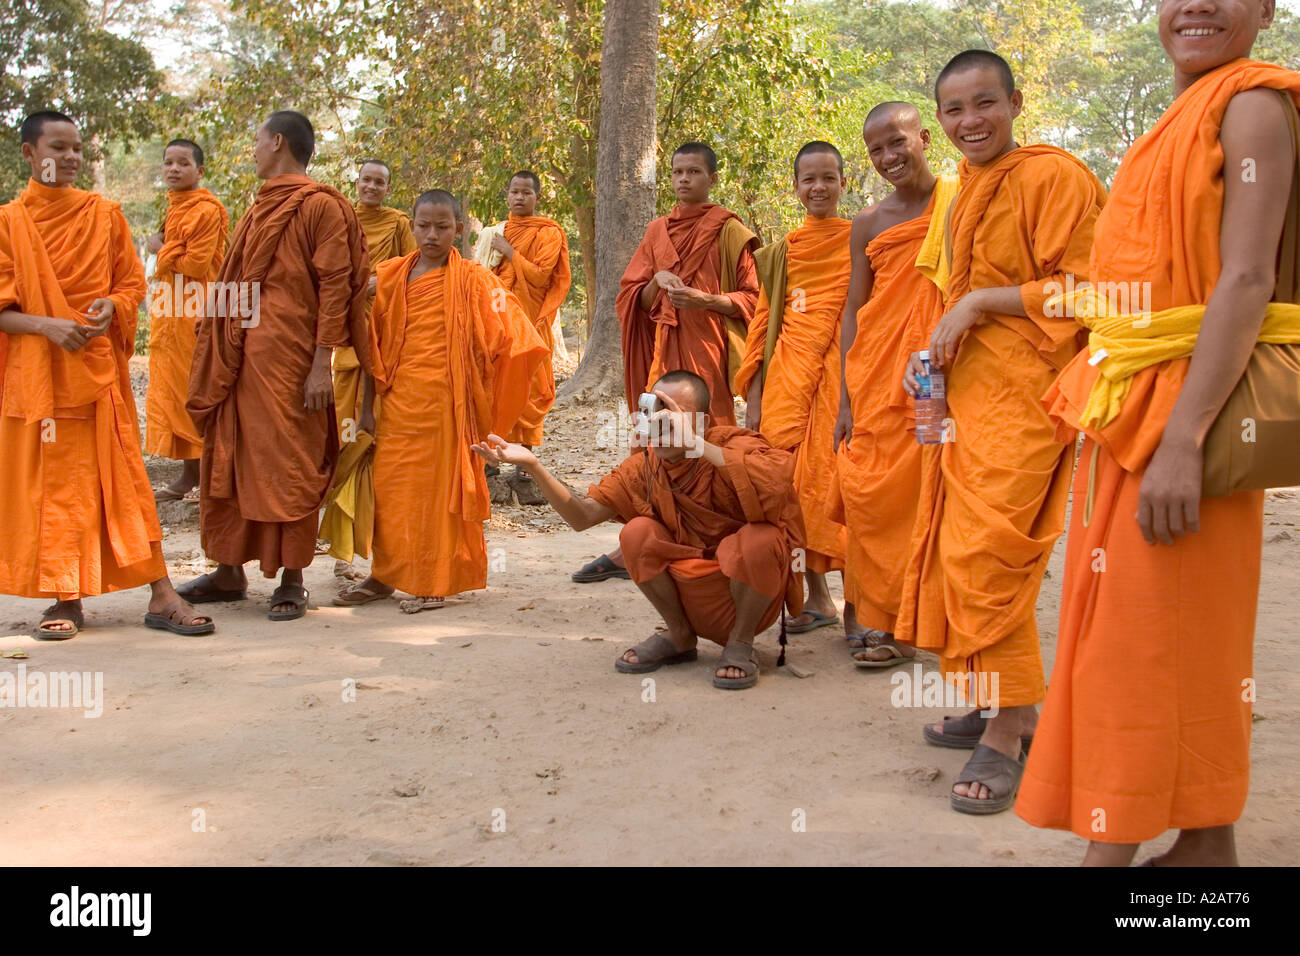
x=931 y=404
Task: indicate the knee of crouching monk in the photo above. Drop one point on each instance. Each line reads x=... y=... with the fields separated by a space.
x=637 y=534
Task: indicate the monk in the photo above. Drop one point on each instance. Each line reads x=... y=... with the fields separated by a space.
x=686 y=300
x=75 y=504
x=993 y=498
x=189 y=248
x=791 y=372
x=388 y=236
x=535 y=267
x=454 y=353
x=891 y=308
x=1148 y=718
x=710 y=523
x=260 y=389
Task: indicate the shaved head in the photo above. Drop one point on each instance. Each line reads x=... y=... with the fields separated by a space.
x=978 y=60
x=438 y=197
x=893 y=110
x=696 y=386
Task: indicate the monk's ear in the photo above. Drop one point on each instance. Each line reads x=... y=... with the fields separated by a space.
x=925 y=137
x=460 y=227
x=1267 y=13
x=713 y=180
x=1017 y=103
x=29 y=153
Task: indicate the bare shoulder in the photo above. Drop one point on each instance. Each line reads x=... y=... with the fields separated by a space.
x=1257 y=115
x=866 y=225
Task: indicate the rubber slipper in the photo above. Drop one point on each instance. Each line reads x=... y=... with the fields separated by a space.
x=1000 y=773
x=653 y=653
x=164 y=622
x=201 y=591
x=898 y=657
x=44 y=633
x=741 y=656
x=599 y=570
x=416 y=605
x=818 y=620
x=357 y=596
x=294 y=594
x=964 y=733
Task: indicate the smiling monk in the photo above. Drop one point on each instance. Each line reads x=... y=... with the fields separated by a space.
x=1148 y=718
x=75 y=505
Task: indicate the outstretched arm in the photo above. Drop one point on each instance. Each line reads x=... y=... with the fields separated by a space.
x=580 y=513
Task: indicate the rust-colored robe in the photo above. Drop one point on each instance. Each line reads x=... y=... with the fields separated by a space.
x=1147 y=717
x=195 y=231
x=539 y=277
x=879 y=470
x=76 y=509
x=801 y=387
x=992 y=501
x=687 y=243
x=268 y=461
x=705 y=526
x=453 y=355
x=388 y=236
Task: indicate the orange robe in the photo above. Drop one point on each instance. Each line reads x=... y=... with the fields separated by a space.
x=801 y=389
x=706 y=526
x=194 y=240
x=268 y=461
x=1147 y=719
x=992 y=500
x=538 y=275
x=686 y=243
x=879 y=469
x=453 y=355
x=388 y=236
x=75 y=503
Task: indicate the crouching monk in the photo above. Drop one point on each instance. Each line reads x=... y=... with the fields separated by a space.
x=710 y=520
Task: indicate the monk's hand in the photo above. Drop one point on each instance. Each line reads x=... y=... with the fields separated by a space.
x=952 y=328
x=915 y=369
x=372 y=285
x=843 y=426
x=495 y=450
x=318 y=392
x=67 y=334
x=155 y=242
x=1169 y=501
x=100 y=316
x=668 y=281
x=500 y=244
x=688 y=298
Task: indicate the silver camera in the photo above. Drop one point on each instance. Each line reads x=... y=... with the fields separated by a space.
x=646 y=406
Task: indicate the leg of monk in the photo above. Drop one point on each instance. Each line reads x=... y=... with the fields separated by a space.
x=163 y=599
x=1204 y=846
x=751 y=606
x=648 y=547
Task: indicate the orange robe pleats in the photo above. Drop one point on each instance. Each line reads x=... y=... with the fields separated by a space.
x=1147 y=722
x=195 y=231
x=801 y=389
x=454 y=354
x=538 y=275
x=992 y=500
x=879 y=469
x=75 y=503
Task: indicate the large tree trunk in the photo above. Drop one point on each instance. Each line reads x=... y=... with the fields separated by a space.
x=625 y=182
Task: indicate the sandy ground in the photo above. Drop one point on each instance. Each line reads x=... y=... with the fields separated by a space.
x=495 y=731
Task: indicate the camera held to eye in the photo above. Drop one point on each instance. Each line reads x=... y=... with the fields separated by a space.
x=646 y=405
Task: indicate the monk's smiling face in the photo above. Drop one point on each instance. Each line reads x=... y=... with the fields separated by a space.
x=372 y=185
x=55 y=157
x=1201 y=35
x=521 y=197
x=436 y=230
x=691 y=178
x=896 y=144
x=976 y=112
x=179 y=170
x=818 y=184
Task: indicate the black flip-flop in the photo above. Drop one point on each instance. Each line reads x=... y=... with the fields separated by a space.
x=201 y=591
x=294 y=594
x=599 y=570
x=163 y=622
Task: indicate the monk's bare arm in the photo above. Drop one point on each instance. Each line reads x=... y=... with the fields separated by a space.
x=580 y=513
x=1255 y=136
x=861 y=279
x=64 y=333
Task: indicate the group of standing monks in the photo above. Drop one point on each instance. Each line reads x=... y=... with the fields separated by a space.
x=364 y=323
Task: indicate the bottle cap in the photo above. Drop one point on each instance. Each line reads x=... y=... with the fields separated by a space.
x=925 y=355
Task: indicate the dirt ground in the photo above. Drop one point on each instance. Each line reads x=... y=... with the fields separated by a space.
x=495 y=731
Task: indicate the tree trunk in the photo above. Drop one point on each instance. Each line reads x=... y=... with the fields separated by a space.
x=625 y=182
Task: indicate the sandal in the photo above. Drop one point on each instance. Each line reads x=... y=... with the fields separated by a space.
x=818 y=620
x=857 y=641
x=76 y=621
x=599 y=570
x=167 y=622
x=294 y=594
x=201 y=591
x=167 y=494
x=358 y=595
x=1000 y=773
x=741 y=656
x=965 y=733
x=653 y=653
x=873 y=640
x=416 y=605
